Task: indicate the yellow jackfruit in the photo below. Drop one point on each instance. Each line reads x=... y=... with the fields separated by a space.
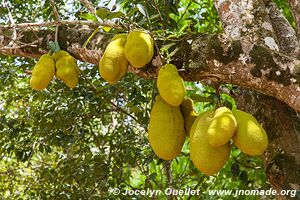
x=42 y=72
x=166 y=130
x=206 y=158
x=188 y=113
x=222 y=127
x=170 y=85
x=139 y=48
x=250 y=136
x=66 y=68
x=113 y=64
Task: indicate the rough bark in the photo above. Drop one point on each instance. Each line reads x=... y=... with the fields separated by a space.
x=213 y=57
x=286 y=35
x=295 y=6
x=282 y=160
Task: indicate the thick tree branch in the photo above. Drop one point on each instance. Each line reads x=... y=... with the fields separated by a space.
x=295 y=5
x=286 y=35
x=210 y=57
x=247 y=20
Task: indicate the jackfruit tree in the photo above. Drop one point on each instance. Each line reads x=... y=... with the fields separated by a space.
x=98 y=95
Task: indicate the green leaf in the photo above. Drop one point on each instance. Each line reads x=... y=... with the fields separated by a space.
x=102 y=13
x=114 y=15
x=89 y=16
x=132 y=12
x=142 y=9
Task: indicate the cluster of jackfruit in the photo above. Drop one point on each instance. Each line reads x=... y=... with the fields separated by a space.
x=211 y=133
x=136 y=49
x=61 y=64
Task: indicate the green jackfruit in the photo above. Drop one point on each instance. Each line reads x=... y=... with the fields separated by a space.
x=166 y=130
x=42 y=72
x=206 y=158
x=250 y=136
x=139 y=48
x=222 y=127
x=188 y=113
x=66 y=68
x=113 y=64
x=170 y=85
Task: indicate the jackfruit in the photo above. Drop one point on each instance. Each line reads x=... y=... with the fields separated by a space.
x=113 y=64
x=222 y=127
x=250 y=136
x=206 y=158
x=139 y=48
x=42 y=72
x=166 y=130
x=170 y=85
x=66 y=68
x=188 y=113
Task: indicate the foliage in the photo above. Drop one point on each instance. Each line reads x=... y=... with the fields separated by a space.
x=82 y=143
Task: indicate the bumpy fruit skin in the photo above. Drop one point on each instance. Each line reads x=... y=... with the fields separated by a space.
x=42 y=72
x=206 y=158
x=113 y=64
x=170 y=85
x=166 y=130
x=66 y=68
x=188 y=113
x=222 y=127
x=139 y=48
x=250 y=136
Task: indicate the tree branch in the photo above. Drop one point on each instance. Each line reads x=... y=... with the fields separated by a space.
x=63 y=22
x=295 y=5
x=286 y=35
x=203 y=57
x=89 y=6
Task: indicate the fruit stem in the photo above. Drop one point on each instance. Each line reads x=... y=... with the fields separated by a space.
x=54 y=46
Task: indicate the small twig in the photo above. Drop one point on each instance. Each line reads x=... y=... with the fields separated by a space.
x=89 y=6
x=19 y=42
x=56 y=15
x=12 y=23
x=27 y=72
x=57 y=18
x=157 y=50
x=245 y=165
x=169 y=175
x=124 y=111
x=159 y=13
x=184 y=11
x=147 y=16
x=63 y=22
x=90 y=37
x=19 y=47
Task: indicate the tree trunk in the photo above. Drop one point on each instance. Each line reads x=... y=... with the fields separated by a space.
x=255 y=21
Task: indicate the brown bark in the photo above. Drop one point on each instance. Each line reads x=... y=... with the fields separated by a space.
x=295 y=6
x=285 y=34
x=213 y=57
